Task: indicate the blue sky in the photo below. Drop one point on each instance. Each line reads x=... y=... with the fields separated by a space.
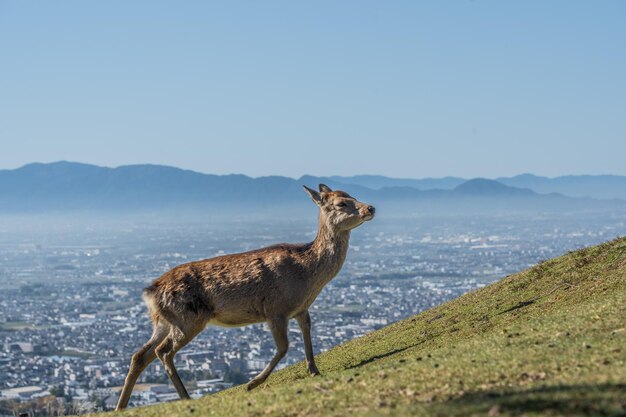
x=403 y=88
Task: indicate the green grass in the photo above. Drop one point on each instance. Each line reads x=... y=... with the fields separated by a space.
x=16 y=326
x=75 y=353
x=550 y=340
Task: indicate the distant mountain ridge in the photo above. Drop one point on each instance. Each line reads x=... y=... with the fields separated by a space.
x=68 y=186
x=486 y=187
x=379 y=181
x=594 y=186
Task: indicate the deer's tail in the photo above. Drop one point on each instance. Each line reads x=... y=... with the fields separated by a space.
x=150 y=297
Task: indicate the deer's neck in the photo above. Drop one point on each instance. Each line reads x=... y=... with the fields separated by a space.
x=329 y=251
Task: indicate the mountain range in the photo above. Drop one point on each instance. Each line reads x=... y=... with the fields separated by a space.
x=69 y=186
x=594 y=186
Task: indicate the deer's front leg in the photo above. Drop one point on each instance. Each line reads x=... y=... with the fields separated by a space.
x=304 y=320
x=278 y=326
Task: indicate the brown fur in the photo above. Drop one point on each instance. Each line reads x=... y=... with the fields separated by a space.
x=272 y=284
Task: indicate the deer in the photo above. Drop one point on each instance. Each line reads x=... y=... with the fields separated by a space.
x=273 y=285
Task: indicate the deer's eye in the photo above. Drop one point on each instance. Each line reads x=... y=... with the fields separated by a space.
x=342 y=204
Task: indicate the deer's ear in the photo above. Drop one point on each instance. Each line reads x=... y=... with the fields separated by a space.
x=325 y=188
x=315 y=196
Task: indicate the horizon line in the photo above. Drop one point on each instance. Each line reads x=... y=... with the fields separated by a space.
x=311 y=175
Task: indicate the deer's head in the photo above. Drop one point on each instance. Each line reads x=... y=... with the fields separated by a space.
x=338 y=209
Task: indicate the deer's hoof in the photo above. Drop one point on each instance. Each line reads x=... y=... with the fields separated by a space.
x=253 y=384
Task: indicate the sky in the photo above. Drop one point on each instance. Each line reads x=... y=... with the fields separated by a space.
x=403 y=88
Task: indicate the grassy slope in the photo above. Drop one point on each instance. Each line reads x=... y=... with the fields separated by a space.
x=548 y=341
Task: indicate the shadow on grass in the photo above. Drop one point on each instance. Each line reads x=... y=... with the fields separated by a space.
x=377 y=357
x=564 y=400
x=518 y=306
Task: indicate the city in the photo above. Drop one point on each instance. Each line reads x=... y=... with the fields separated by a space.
x=71 y=313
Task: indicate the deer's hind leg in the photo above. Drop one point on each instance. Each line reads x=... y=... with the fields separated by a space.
x=140 y=361
x=177 y=338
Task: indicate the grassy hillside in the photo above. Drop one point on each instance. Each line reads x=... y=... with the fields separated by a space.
x=547 y=341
